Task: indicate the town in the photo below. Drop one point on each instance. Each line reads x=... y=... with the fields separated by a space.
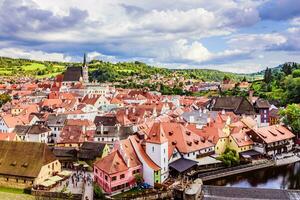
x=72 y=137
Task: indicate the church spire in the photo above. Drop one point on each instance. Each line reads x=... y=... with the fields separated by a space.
x=84 y=59
x=85 y=70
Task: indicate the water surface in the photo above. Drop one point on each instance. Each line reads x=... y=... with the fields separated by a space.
x=284 y=177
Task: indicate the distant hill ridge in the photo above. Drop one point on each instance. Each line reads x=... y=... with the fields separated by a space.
x=107 y=71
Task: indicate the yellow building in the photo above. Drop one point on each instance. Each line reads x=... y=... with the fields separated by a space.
x=240 y=142
x=24 y=164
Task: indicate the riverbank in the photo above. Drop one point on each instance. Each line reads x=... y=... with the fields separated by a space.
x=277 y=177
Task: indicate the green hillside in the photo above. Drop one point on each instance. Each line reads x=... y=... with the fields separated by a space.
x=25 y=67
x=106 y=71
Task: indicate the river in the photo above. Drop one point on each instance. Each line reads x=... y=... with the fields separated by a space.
x=284 y=177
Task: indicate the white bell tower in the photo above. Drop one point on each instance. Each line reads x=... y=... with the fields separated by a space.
x=85 y=70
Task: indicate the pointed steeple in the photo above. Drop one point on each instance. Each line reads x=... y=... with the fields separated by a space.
x=85 y=73
x=84 y=59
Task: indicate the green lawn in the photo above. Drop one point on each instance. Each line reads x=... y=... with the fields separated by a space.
x=13 y=193
x=13 y=196
x=33 y=67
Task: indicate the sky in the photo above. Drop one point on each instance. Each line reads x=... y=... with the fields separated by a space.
x=240 y=36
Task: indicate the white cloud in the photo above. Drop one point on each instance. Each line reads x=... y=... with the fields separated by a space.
x=295 y=21
x=99 y=56
x=34 y=55
x=164 y=32
x=256 y=41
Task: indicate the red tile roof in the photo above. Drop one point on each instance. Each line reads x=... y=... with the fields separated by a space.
x=274 y=133
x=112 y=163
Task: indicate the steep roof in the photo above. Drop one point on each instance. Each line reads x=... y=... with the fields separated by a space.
x=262 y=103
x=273 y=133
x=24 y=158
x=239 y=105
x=91 y=150
x=129 y=153
x=106 y=120
x=38 y=129
x=72 y=74
x=183 y=139
x=136 y=143
x=157 y=134
x=112 y=163
x=12 y=121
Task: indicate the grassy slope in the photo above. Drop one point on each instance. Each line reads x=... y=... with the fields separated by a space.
x=39 y=69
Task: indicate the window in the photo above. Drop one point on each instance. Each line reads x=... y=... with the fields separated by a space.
x=105 y=177
x=113 y=178
x=152 y=149
x=122 y=176
x=164 y=150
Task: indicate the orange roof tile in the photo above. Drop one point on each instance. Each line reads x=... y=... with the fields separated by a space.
x=112 y=163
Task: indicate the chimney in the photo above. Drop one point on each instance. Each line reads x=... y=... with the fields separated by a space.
x=208 y=121
x=101 y=128
x=223 y=112
x=251 y=96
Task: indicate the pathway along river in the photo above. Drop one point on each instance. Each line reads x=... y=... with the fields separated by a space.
x=284 y=177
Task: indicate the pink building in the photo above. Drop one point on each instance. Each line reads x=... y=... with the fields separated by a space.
x=116 y=171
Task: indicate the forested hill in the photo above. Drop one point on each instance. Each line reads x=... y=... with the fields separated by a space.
x=106 y=71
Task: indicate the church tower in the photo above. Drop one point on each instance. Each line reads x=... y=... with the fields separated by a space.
x=85 y=70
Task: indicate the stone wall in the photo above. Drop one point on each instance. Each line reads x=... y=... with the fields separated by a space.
x=152 y=196
x=41 y=194
x=15 y=182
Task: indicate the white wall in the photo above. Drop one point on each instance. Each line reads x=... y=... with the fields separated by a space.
x=159 y=154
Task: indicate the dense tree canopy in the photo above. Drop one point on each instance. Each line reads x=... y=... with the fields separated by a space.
x=291 y=117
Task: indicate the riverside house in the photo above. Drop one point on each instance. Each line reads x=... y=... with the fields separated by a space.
x=272 y=140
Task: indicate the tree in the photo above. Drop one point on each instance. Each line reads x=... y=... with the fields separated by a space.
x=296 y=73
x=138 y=179
x=98 y=194
x=268 y=75
x=287 y=68
x=226 y=79
x=244 y=79
x=291 y=117
x=4 y=98
x=229 y=158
